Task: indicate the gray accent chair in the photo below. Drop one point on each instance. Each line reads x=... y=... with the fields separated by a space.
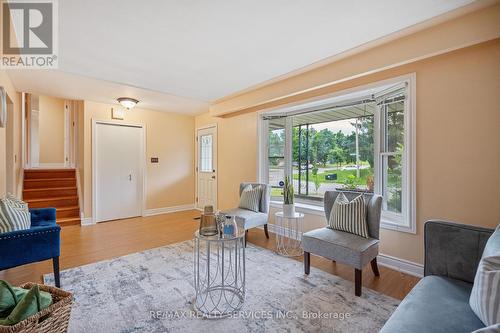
x=344 y=247
x=439 y=303
x=249 y=219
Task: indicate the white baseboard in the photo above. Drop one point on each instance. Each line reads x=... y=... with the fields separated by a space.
x=166 y=210
x=402 y=265
x=395 y=263
x=86 y=221
x=148 y=212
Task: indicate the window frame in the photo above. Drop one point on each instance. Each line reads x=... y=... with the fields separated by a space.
x=404 y=222
x=201 y=168
x=285 y=152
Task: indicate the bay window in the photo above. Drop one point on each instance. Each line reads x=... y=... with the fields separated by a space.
x=358 y=141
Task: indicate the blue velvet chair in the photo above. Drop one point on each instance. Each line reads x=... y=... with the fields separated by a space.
x=40 y=242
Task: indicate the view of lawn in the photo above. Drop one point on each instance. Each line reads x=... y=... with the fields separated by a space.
x=341 y=176
x=276 y=192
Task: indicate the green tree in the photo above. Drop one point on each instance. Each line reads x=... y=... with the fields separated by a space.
x=306 y=155
x=336 y=155
x=276 y=146
x=341 y=141
x=349 y=147
x=321 y=145
x=395 y=179
x=395 y=125
x=365 y=137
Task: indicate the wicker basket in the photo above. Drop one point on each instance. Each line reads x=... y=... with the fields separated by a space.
x=54 y=319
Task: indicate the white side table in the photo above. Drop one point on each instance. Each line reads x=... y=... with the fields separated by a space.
x=289 y=234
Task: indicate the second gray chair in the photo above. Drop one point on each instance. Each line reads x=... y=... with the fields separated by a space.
x=248 y=218
x=344 y=247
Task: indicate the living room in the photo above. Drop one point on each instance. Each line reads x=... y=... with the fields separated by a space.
x=204 y=178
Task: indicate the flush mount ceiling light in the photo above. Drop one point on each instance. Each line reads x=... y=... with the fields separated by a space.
x=127 y=102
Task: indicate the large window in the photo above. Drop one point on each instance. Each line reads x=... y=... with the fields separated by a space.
x=359 y=141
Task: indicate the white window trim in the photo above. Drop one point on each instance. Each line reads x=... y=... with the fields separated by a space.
x=388 y=220
x=302 y=208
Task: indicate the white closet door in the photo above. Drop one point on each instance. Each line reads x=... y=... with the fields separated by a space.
x=118 y=180
x=130 y=159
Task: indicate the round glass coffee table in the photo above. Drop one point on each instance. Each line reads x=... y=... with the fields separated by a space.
x=289 y=234
x=219 y=274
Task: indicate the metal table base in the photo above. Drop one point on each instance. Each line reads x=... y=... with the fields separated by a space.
x=289 y=234
x=219 y=275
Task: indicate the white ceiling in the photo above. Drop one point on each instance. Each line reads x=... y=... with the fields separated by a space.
x=180 y=55
x=71 y=86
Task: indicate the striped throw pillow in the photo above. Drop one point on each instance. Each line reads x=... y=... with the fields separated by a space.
x=16 y=202
x=485 y=295
x=250 y=198
x=14 y=215
x=349 y=216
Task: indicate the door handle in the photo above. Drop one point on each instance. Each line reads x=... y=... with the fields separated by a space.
x=130 y=177
x=213 y=177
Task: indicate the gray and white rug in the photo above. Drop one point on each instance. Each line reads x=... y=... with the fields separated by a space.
x=152 y=291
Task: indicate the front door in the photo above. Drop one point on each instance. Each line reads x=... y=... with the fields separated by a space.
x=206 y=139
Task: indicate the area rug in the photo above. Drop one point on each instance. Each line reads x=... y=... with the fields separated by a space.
x=152 y=291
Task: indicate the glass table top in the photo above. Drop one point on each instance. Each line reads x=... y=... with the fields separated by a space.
x=218 y=238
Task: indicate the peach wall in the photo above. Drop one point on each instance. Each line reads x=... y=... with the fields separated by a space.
x=237 y=154
x=51 y=130
x=169 y=137
x=458 y=140
x=16 y=119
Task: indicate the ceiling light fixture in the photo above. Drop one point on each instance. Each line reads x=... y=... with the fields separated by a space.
x=127 y=102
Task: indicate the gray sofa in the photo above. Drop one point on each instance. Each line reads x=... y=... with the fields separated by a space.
x=440 y=301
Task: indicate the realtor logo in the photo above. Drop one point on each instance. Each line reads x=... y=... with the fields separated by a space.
x=29 y=34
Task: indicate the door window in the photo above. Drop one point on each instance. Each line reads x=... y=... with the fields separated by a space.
x=206 y=163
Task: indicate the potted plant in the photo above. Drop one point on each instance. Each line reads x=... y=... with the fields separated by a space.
x=350 y=182
x=316 y=180
x=288 y=206
x=349 y=185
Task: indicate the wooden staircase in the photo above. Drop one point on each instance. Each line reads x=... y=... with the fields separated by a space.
x=53 y=188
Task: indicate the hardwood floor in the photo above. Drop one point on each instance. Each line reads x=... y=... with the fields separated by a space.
x=85 y=245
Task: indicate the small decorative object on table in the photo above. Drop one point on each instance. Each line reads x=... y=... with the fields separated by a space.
x=208 y=223
x=288 y=206
x=53 y=319
x=220 y=218
x=289 y=241
x=230 y=227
